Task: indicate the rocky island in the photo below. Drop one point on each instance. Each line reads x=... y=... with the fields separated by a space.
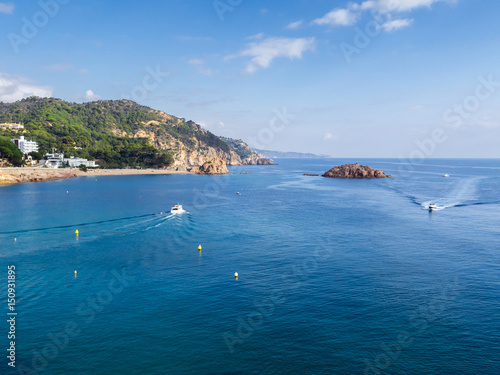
x=355 y=171
x=262 y=161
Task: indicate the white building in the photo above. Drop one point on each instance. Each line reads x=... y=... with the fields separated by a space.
x=56 y=160
x=24 y=145
x=76 y=162
x=12 y=126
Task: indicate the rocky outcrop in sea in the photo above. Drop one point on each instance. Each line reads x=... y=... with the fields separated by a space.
x=214 y=166
x=355 y=171
x=265 y=162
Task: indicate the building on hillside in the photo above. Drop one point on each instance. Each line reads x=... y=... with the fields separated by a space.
x=13 y=126
x=56 y=160
x=74 y=162
x=24 y=145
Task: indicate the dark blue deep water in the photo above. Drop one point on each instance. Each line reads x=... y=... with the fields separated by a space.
x=335 y=276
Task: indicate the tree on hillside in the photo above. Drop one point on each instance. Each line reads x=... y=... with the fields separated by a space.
x=9 y=151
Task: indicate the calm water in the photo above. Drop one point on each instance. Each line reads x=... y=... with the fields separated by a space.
x=335 y=276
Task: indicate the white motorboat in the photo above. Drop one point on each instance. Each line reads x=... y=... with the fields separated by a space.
x=177 y=209
x=433 y=207
x=446 y=175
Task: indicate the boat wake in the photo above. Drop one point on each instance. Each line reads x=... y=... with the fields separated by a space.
x=464 y=193
x=63 y=235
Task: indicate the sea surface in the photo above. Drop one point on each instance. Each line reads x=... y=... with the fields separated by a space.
x=335 y=276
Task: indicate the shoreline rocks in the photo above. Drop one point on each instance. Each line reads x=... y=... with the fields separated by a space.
x=211 y=167
x=29 y=175
x=263 y=161
x=355 y=171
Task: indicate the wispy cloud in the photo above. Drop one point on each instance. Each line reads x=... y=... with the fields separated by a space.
x=266 y=50
x=329 y=137
x=195 y=62
x=199 y=65
x=338 y=17
x=294 y=25
x=387 y=6
x=67 y=67
x=14 y=88
x=7 y=8
x=89 y=96
x=396 y=24
x=258 y=36
x=353 y=11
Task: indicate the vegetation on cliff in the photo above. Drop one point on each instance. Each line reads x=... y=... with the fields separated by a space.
x=118 y=133
x=10 y=152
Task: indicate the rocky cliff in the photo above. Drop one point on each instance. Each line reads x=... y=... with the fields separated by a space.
x=354 y=171
x=214 y=166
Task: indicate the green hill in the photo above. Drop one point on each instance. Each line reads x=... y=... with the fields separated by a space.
x=118 y=133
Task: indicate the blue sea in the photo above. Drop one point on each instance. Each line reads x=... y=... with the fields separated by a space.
x=334 y=276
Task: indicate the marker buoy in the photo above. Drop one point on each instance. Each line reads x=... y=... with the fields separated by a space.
x=76 y=232
x=199 y=248
x=236 y=275
x=75 y=273
x=67 y=192
x=15 y=239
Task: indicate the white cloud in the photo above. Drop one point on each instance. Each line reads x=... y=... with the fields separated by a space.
x=200 y=69
x=294 y=25
x=258 y=36
x=329 y=137
x=387 y=6
x=195 y=62
x=396 y=24
x=7 y=8
x=89 y=96
x=14 y=88
x=352 y=12
x=265 y=51
x=338 y=17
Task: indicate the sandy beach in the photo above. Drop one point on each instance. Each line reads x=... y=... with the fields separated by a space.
x=16 y=175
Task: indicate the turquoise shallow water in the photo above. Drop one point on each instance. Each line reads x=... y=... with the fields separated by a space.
x=335 y=276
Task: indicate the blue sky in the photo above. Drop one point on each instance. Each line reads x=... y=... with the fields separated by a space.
x=377 y=78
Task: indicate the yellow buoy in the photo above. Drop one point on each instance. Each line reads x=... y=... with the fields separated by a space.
x=76 y=232
x=75 y=273
x=236 y=275
x=15 y=239
x=199 y=248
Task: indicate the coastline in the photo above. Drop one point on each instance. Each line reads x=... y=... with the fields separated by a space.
x=30 y=174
